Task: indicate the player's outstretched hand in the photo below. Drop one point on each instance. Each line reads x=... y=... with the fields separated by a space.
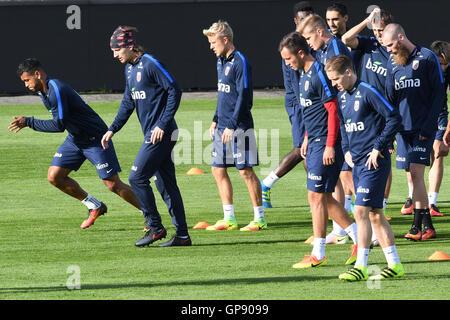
x=17 y=124
x=105 y=139
x=372 y=161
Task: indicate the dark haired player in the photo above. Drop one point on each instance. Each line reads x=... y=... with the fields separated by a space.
x=321 y=147
x=153 y=92
x=85 y=129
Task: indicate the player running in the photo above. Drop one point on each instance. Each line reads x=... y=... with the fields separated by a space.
x=414 y=84
x=232 y=130
x=368 y=126
x=153 y=92
x=85 y=129
x=321 y=148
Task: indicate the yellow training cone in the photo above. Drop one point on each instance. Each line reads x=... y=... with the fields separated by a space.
x=439 y=256
x=309 y=240
x=194 y=171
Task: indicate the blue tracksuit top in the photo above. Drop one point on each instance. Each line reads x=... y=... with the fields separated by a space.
x=315 y=90
x=417 y=90
x=373 y=68
x=153 y=92
x=368 y=121
x=69 y=113
x=235 y=92
x=333 y=47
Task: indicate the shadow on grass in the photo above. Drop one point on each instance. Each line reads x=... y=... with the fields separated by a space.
x=212 y=282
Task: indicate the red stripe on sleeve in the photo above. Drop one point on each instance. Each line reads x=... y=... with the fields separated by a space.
x=333 y=122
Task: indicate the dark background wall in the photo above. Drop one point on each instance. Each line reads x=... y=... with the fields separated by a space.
x=172 y=32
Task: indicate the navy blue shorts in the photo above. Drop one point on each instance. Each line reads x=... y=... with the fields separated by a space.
x=297 y=133
x=370 y=184
x=240 y=153
x=411 y=150
x=322 y=178
x=71 y=155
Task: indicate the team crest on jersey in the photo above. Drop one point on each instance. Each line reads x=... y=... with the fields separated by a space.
x=356 y=106
x=306 y=85
x=227 y=70
x=138 y=76
x=415 y=64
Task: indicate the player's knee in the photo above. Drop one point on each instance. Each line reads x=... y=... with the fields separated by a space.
x=247 y=173
x=53 y=178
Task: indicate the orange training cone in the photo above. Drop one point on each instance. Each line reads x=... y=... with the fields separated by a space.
x=439 y=256
x=201 y=225
x=194 y=171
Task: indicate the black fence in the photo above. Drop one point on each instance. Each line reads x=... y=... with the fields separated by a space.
x=71 y=38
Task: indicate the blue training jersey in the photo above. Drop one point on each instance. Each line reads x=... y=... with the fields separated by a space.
x=333 y=47
x=69 y=112
x=368 y=121
x=315 y=90
x=374 y=61
x=417 y=90
x=235 y=92
x=153 y=92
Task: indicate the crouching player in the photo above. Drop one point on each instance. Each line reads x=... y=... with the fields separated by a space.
x=368 y=125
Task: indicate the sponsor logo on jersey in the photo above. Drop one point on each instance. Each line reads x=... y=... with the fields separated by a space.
x=305 y=102
x=404 y=83
x=138 y=95
x=377 y=67
x=57 y=155
x=223 y=87
x=353 y=127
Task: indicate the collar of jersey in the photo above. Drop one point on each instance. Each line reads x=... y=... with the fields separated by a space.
x=353 y=89
x=230 y=57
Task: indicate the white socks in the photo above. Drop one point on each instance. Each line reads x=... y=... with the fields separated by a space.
x=258 y=212
x=432 y=198
x=351 y=231
x=362 y=257
x=91 y=203
x=319 y=248
x=228 y=211
x=270 y=180
x=391 y=255
x=338 y=231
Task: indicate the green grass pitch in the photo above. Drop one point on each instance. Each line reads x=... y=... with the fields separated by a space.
x=41 y=243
